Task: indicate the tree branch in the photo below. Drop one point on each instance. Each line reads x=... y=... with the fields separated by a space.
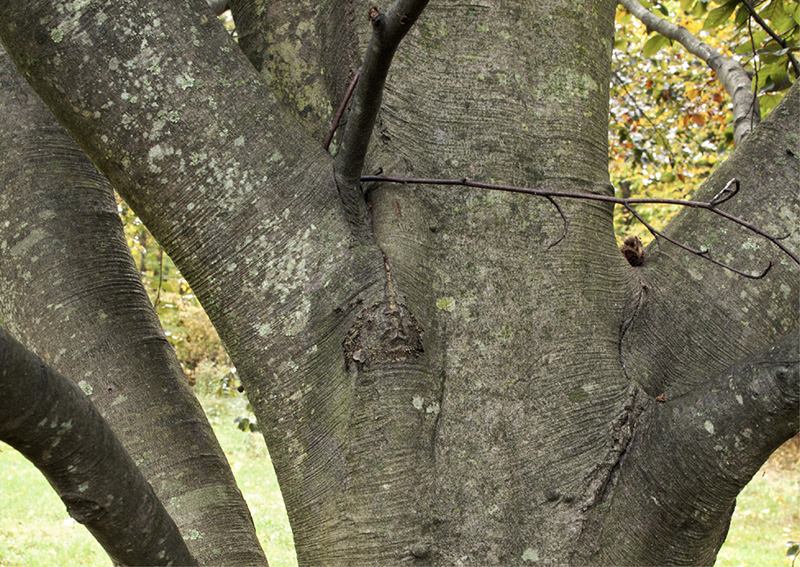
x=692 y=455
x=731 y=74
x=387 y=31
x=749 y=7
x=726 y=193
x=48 y=419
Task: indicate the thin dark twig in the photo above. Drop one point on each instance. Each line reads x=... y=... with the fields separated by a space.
x=656 y=128
x=563 y=218
x=655 y=233
x=342 y=107
x=730 y=189
x=772 y=34
x=705 y=254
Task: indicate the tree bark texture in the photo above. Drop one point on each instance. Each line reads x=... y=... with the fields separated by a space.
x=49 y=420
x=71 y=291
x=445 y=388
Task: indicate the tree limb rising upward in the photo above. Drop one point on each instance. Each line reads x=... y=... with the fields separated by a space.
x=47 y=418
x=731 y=74
x=726 y=193
x=388 y=30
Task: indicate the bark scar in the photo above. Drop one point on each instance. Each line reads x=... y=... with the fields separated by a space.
x=599 y=479
x=386 y=331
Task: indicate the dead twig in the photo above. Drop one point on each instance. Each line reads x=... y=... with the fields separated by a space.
x=342 y=107
x=724 y=195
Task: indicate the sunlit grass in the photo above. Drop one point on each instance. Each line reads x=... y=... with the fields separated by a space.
x=35 y=530
x=767 y=516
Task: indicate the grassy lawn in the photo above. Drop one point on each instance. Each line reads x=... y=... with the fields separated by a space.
x=35 y=529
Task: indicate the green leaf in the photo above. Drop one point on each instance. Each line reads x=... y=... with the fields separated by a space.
x=793 y=550
x=699 y=9
x=741 y=16
x=719 y=16
x=686 y=5
x=654 y=44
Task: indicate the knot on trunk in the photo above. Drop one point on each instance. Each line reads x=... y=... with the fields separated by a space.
x=384 y=332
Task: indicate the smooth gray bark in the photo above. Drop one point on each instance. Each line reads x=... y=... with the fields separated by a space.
x=47 y=418
x=448 y=388
x=70 y=289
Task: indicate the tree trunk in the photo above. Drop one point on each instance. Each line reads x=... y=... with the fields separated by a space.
x=440 y=384
x=72 y=293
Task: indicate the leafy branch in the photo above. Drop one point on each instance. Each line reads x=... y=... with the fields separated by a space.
x=731 y=74
x=778 y=39
x=725 y=194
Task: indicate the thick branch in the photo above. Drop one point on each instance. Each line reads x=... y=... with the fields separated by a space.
x=388 y=30
x=692 y=456
x=48 y=419
x=725 y=194
x=731 y=74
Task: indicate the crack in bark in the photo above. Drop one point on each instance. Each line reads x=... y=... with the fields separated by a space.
x=628 y=318
x=599 y=479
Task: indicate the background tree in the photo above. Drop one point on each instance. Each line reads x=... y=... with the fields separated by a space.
x=435 y=382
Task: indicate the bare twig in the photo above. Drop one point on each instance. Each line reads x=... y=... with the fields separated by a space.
x=342 y=107
x=388 y=30
x=655 y=127
x=753 y=14
x=731 y=74
x=725 y=194
x=563 y=218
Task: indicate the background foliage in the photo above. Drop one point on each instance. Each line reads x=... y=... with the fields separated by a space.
x=670 y=119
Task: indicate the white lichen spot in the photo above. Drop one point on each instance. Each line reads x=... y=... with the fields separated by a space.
x=709 y=426
x=83 y=487
x=740 y=399
x=276 y=156
x=697 y=276
x=433 y=408
x=24 y=245
x=193 y=535
x=239 y=141
x=264 y=330
x=119 y=400
x=85 y=387
x=417 y=402
x=530 y=555
x=57 y=35
x=185 y=81
x=446 y=304
x=293 y=365
x=297 y=321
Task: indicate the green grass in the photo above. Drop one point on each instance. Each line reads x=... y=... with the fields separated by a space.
x=767 y=516
x=35 y=530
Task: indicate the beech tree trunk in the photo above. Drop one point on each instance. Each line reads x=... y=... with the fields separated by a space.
x=435 y=382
